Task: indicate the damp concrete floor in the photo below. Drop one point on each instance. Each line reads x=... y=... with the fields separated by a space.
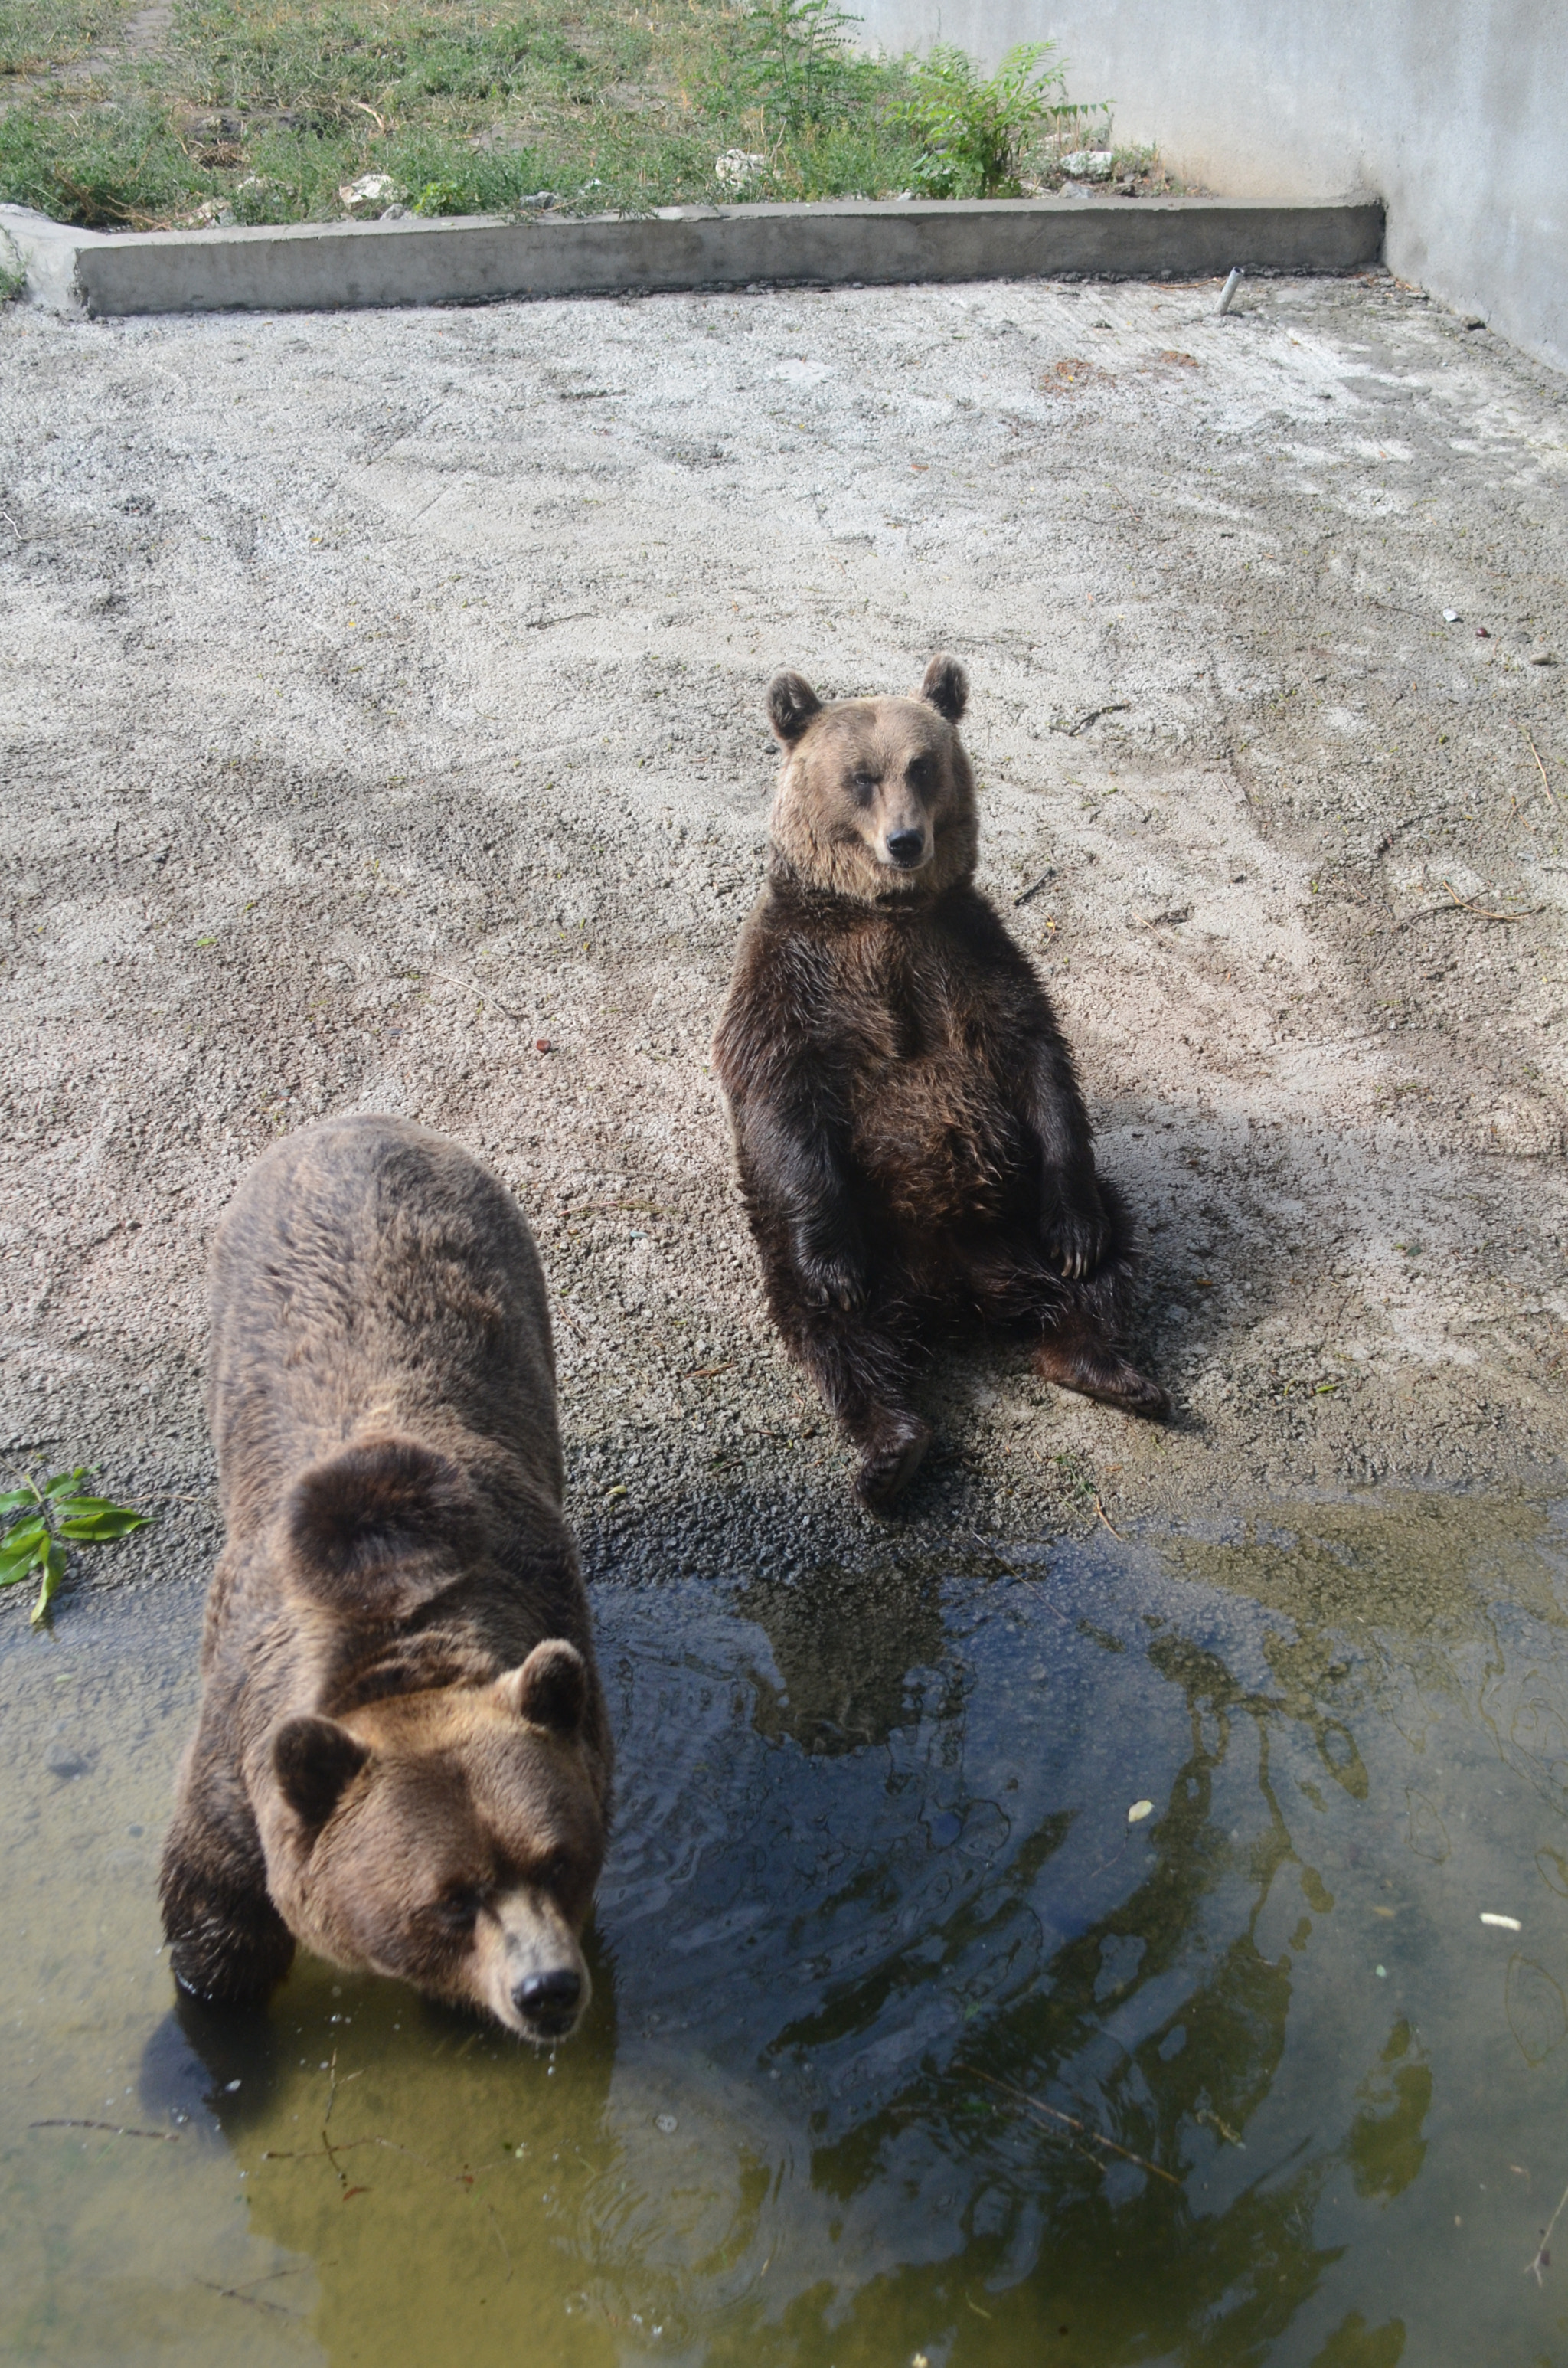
x=380 y=698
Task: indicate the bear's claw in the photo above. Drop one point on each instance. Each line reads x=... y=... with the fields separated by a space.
x=1076 y=1241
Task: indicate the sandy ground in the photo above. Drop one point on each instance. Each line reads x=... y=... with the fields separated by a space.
x=382 y=693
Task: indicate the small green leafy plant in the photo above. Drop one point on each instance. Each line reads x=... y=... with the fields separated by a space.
x=796 y=58
x=46 y=1520
x=975 y=127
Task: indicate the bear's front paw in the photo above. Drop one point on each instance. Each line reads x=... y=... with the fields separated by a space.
x=1077 y=1239
x=830 y=1275
x=226 y=1964
x=834 y=1283
x=228 y=1946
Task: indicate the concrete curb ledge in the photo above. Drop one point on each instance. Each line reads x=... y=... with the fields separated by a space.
x=328 y=266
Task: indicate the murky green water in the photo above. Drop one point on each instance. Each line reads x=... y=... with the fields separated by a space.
x=903 y=2042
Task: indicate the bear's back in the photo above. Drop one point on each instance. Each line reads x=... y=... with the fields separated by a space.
x=369 y=1272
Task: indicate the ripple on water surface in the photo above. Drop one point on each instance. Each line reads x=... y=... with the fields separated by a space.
x=905 y=2039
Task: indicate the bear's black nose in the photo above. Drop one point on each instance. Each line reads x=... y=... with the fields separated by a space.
x=549 y=1998
x=906 y=848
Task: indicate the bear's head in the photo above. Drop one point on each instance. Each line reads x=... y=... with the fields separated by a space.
x=875 y=799
x=450 y=1835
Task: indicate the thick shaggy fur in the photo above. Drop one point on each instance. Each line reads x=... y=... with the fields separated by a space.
x=913 y=1146
x=402 y=1757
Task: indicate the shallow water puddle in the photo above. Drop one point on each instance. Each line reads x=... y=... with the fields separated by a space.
x=905 y=2040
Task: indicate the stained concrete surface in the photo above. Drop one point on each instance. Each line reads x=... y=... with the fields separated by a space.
x=382 y=695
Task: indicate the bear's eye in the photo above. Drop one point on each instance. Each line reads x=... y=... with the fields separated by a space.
x=549 y=1872
x=457 y=1910
x=919 y=773
x=864 y=785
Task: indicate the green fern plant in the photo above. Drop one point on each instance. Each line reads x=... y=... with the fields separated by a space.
x=975 y=127
x=796 y=57
x=46 y=1520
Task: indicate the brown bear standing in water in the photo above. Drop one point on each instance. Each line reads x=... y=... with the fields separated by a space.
x=402 y=1757
x=913 y=1146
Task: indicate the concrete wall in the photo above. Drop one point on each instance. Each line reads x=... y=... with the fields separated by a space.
x=1455 y=112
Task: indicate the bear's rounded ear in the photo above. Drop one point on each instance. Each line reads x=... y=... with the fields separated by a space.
x=945 y=687
x=314 y=1761
x=355 y=1522
x=791 y=703
x=551 y=1687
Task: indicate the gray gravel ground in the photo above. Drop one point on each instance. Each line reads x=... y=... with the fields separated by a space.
x=382 y=693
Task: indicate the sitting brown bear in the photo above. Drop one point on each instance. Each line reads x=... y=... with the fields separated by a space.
x=913 y=1147
x=402 y=1757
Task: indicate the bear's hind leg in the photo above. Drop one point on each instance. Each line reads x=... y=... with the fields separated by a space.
x=1084 y=1317
x=1076 y=1321
x=864 y=1373
x=1077 y=1354
x=890 y=1457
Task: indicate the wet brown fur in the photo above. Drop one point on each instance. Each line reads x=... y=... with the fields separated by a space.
x=914 y=1150
x=402 y=1757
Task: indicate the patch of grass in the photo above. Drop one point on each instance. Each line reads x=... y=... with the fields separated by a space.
x=446 y=176
x=13 y=271
x=267 y=110
x=124 y=168
x=38 y=35
x=300 y=54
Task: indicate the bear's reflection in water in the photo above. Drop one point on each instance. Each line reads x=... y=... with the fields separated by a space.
x=843 y=1652
x=422 y=2165
x=872 y=1889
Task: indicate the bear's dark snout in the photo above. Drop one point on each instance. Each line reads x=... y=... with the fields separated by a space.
x=906 y=848
x=549 y=2001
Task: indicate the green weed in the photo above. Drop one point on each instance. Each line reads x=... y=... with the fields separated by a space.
x=46 y=1520
x=442 y=177
x=794 y=59
x=973 y=128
